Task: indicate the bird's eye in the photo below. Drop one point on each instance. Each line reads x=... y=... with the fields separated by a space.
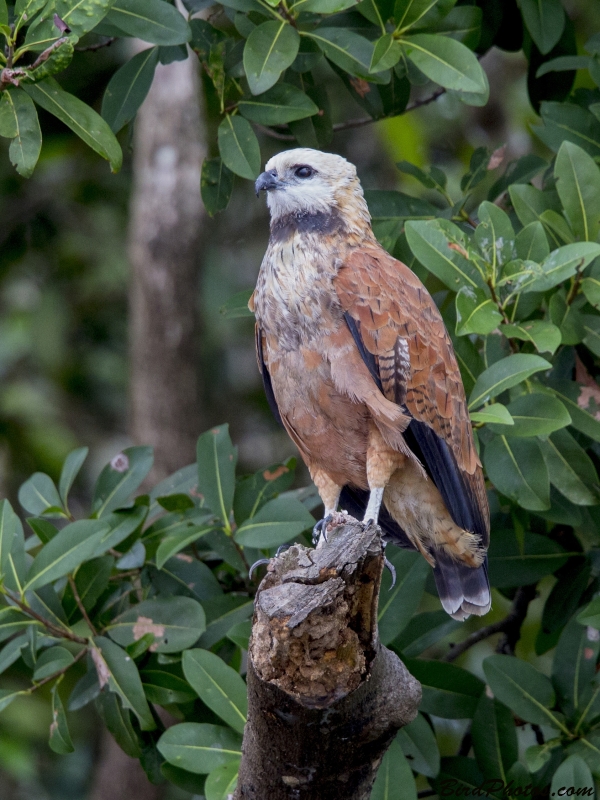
x=304 y=172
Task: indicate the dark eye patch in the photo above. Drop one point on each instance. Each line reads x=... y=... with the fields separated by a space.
x=304 y=171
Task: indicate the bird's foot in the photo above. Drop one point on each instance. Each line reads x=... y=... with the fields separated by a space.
x=256 y=565
x=320 y=529
x=281 y=549
x=392 y=570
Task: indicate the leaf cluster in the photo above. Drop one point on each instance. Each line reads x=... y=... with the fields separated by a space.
x=147 y=600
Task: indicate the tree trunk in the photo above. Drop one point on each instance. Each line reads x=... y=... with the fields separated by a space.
x=325 y=698
x=164 y=246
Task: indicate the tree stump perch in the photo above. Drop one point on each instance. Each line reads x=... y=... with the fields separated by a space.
x=325 y=698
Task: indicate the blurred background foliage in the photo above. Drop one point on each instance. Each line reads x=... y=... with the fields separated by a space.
x=64 y=375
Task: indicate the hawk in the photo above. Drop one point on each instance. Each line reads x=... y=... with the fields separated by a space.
x=359 y=368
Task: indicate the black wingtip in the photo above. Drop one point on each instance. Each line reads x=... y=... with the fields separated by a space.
x=462 y=590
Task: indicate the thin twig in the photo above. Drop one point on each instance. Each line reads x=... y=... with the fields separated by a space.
x=354 y=123
x=59 y=632
x=81 y=606
x=48 y=52
x=60 y=672
x=98 y=46
x=510 y=626
x=125 y=574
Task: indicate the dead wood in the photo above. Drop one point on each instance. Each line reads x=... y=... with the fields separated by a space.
x=325 y=698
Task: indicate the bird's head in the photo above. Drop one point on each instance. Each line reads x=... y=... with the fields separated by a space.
x=305 y=182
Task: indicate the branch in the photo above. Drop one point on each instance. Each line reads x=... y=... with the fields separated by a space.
x=510 y=626
x=325 y=699
x=61 y=632
x=81 y=607
x=90 y=47
x=353 y=123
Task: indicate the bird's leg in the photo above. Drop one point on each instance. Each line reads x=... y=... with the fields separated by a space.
x=382 y=462
x=329 y=492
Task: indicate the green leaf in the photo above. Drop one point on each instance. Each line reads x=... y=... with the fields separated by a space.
x=121 y=525
x=47 y=604
x=82 y=15
x=578 y=184
x=3 y=13
x=240 y=634
x=574 y=774
x=71 y=546
x=534 y=415
x=398 y=605
x=12 y=651
x=216 y=185
x=419 y=744
x=51 y=661
x=7 y=696
x=408 y=13
x=545 y=21
x=448 y=691
x=118 y=722
x=222 y=614
x=176 y=542
x=200 y=748
x=544 y=336
x=128 y=87
x=176 y=622
x=78 y=116
x=591 y=327
x=166 y=688
x=580 y=405
x=119 y=479
x=25 y=10
x=253 y=491
x=590 y=614
x=281 y=104
x=591 y=289
x=73 y=463
x=13 y=621
x=495 y=235
x=118 y=670
x=429 y=244
x=277 y=522
x=517 y=469
x=60 y=738
x=150 y=20
x=323 y=6
x=495 y=412
x=494 y=738
x=394 y=779
x=561 y=264
x=566 y=593
x=186 y=575
x=563 y=64
x=269 y=50
x=19 y=121
x=522 y=688
x=459 y=777
x=570 y=469
x=221 y=783
x=476 y=312
x=10 y=526
x=574 y=664
x=219 y=686
x=350 y=51
x=570 y=122
x=463 y=23
x=38 y=494
x=504 y=374
x=91 y=580
x=532 y=242
x=447 y=63
x=217 y=458
x=194 y=784
x=237 y=305
x=386 y=54
x=239 y=147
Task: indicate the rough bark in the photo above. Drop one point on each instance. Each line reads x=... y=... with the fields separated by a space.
x=325 y=698
x=164 y=246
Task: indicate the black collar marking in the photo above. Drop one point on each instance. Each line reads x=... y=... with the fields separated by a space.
x=304 y=222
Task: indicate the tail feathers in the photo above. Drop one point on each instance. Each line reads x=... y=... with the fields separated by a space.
x=463 y=590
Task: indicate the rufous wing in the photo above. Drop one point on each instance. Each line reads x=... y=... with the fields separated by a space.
x=402 y=339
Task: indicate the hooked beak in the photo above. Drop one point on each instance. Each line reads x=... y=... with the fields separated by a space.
x=266 y=181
